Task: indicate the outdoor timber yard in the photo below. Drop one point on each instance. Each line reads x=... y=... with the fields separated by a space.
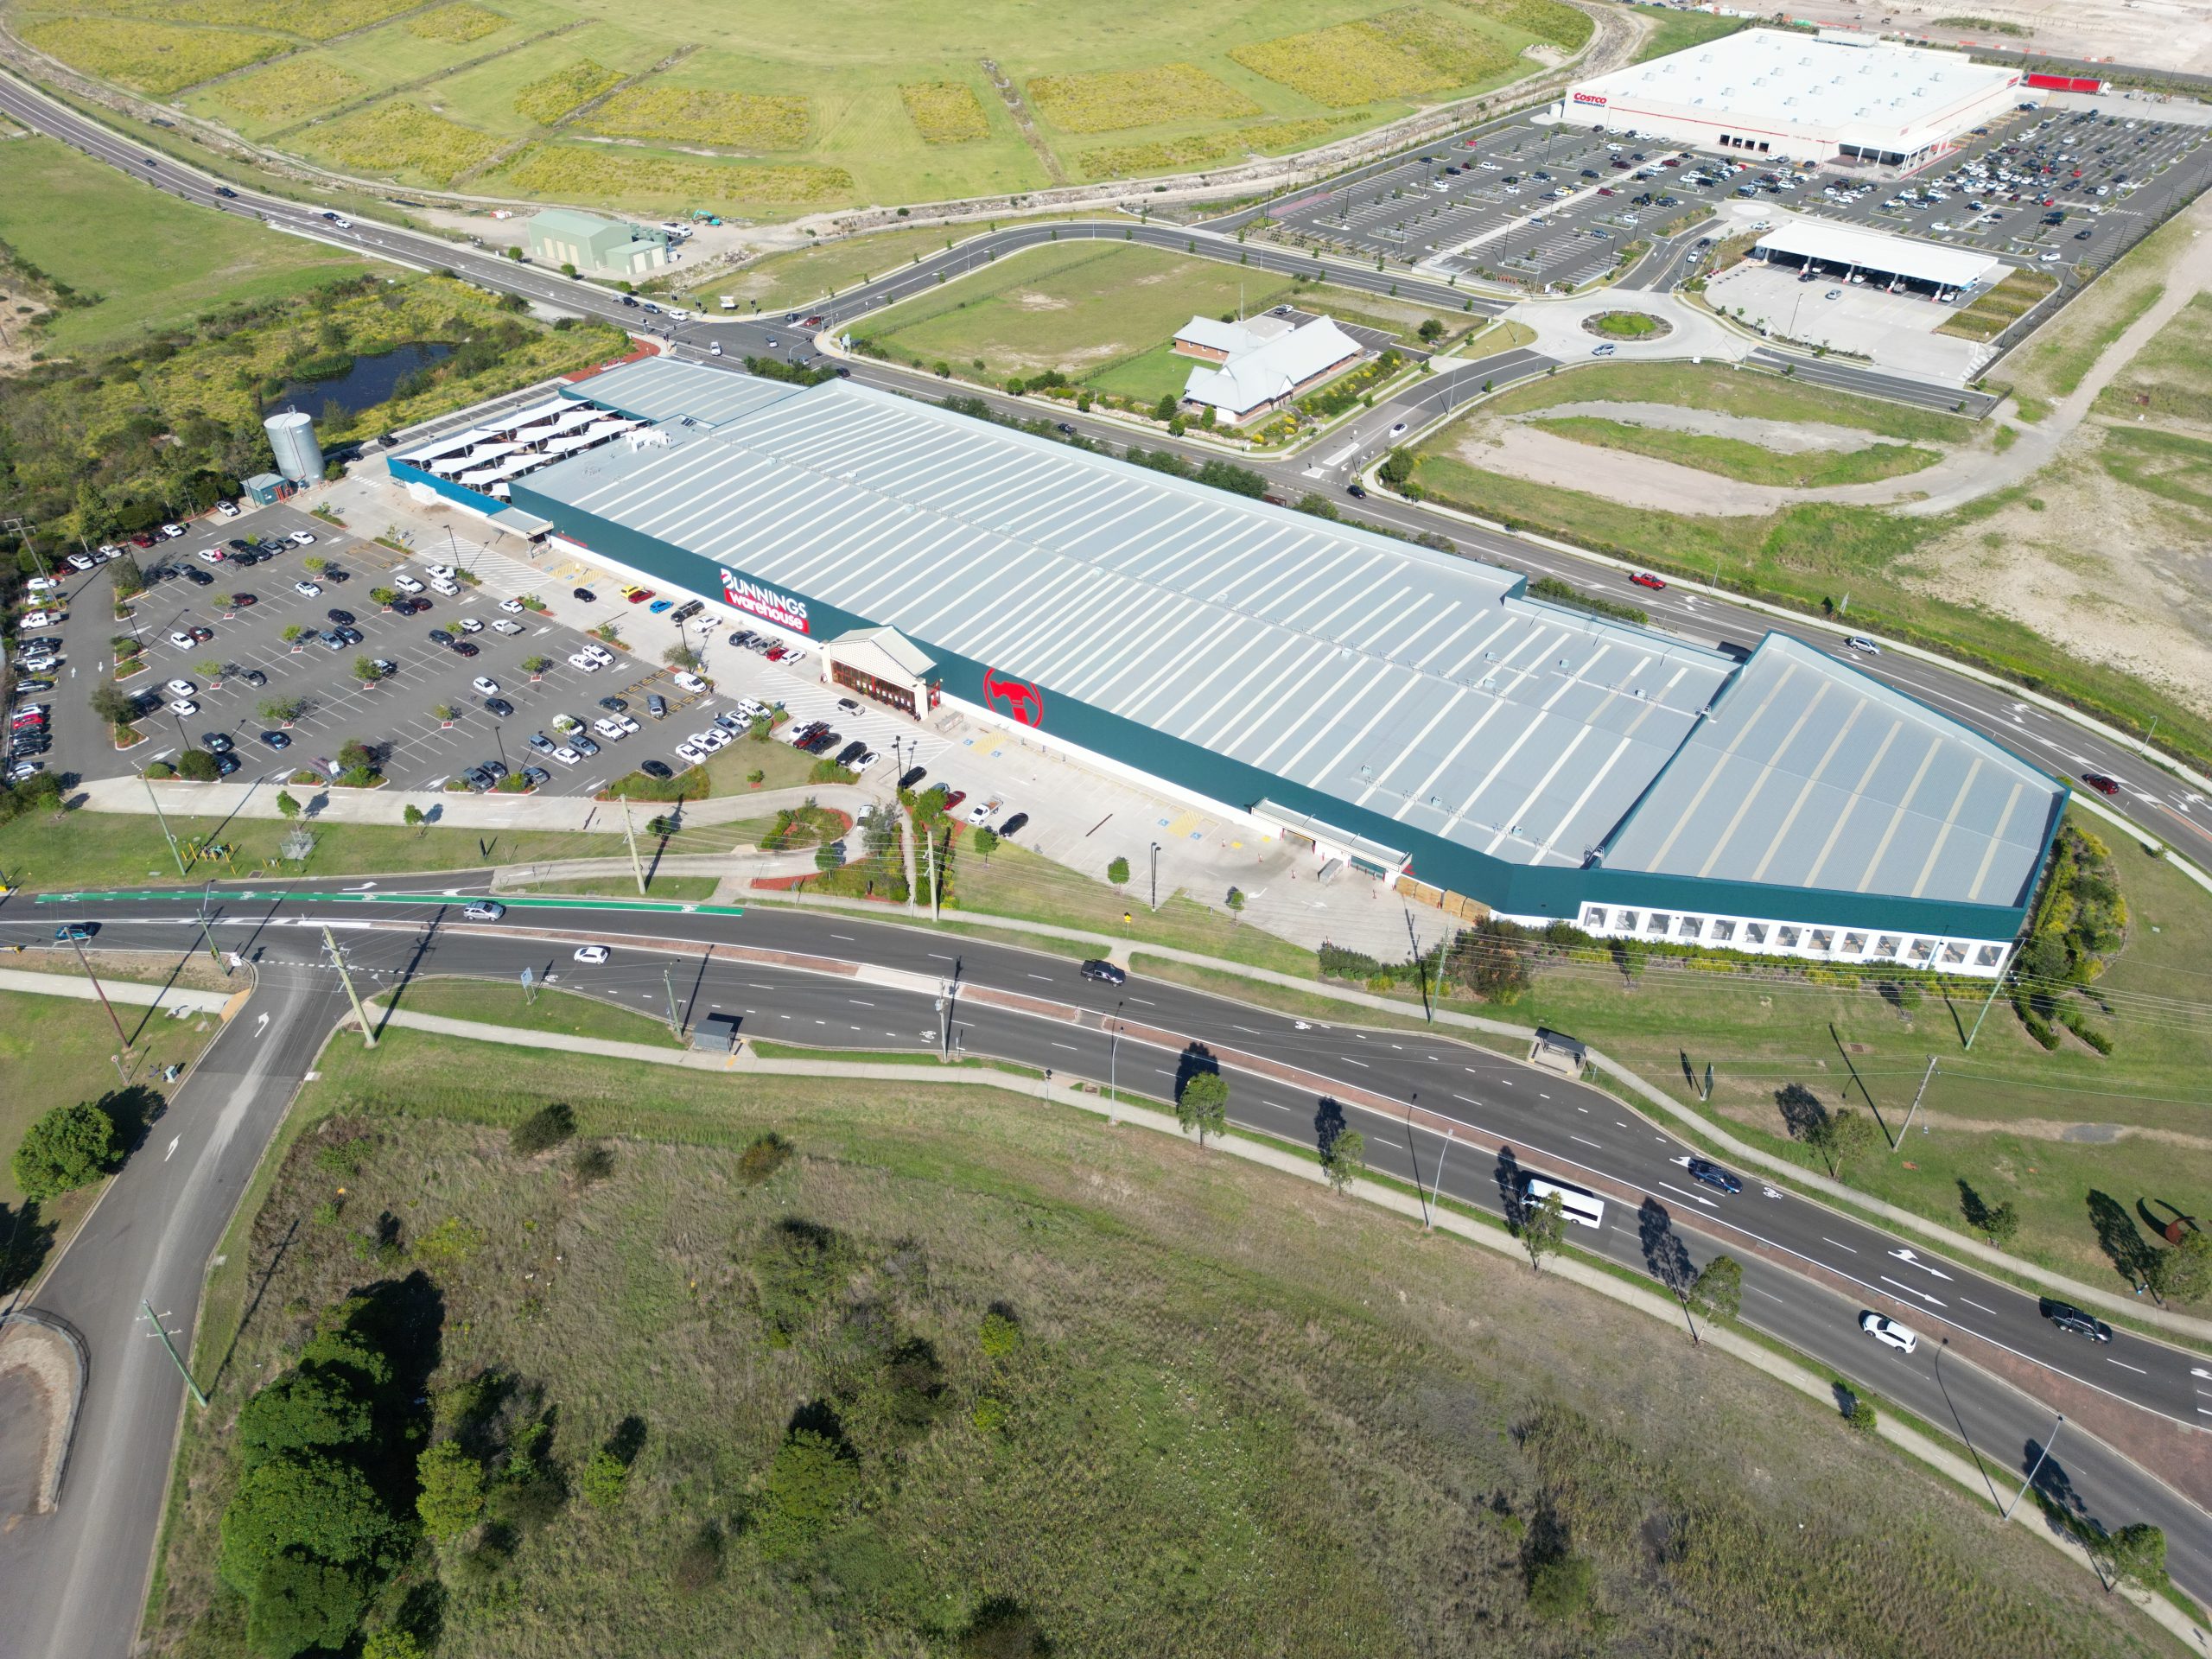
x=1355 y=831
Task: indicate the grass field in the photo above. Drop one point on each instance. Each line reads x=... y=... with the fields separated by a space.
x=689 y=889
x=1085 y=308
x=2170 y=379
x=866 y=112
x=1736 y=458
x=176 y=262
x=1732 y=392
x=1218 y=1413
x=1678 y=31
x=56 y=1051
x=59 y=851
x=1999 y=309
x=2053 y=361
x=508 y=1006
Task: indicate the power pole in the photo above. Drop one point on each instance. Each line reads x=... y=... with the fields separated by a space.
x=668 y=980
x=630 y=834
x=1926 y=1077
x=338 y=958
x=929 y=839
x=78 y=945
x=206 y=932
x=175 y=1359
x=162 y=819
x=1995 y=985
x=1155 y=875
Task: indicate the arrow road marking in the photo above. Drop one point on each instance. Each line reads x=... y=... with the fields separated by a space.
x=1911 y=1291
x=1910 y=1259
x=171 y=1153
x=261 y=1026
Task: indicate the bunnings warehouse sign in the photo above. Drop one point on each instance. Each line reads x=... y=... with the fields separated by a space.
x=765 y=602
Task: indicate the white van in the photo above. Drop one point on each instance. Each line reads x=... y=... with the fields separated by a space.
x=1582 y=1209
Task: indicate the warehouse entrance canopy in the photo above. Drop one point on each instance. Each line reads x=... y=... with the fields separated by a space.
x=1845 y=247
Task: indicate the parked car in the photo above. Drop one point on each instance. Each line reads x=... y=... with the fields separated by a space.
x=277 y=740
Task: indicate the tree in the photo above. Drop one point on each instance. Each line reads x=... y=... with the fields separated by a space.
x=197 y=765
x=68 y=1147
x=2000 y=1225
x=1543 y=1229
x=307 y=1505
x=1201 y=1104
x=1842 y=1138
x=680 y=656
x=1718 y=1291
x=2137 y=1553
x=209 y=668
x=293 y=633
x=808 y=1488
x=113 y=704
x=605 y=1481
x=1431 y=330
x=827 y=857
x=310 y=1408
x=127 y=578
x=1166 y=410
x=365 y=670
x=394 y=1644
x=295 y=1606
x=315 y=564
x=1862 y=1417
x=1561 y=1588
x=278 y=710
x=1345 y=1158
x=1118 y=871
x=450 y=1498
x=987 y=842
x=353 y=755
x=410 y=815
x=547 y=1127
x=1235 y=902
x=384 y=596
x=536 y=664
x=2183 y=1273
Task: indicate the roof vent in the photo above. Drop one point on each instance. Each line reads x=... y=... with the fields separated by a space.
x=1436 y=801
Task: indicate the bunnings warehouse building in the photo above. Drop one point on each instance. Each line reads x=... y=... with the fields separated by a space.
x=1409 y=712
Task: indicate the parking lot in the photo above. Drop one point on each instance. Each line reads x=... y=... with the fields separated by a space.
x=393 y=715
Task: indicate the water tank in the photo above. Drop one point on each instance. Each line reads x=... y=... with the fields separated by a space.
x=291 y=434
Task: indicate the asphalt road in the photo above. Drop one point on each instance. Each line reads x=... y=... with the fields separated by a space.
x=2165 y=805
x=1552 y=1128
x=71 y=1583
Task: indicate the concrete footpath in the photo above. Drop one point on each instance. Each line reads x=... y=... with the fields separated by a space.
x=179 y=997
x=1481 y=1232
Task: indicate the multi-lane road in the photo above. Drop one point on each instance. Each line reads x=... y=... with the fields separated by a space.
x=1454 y=1118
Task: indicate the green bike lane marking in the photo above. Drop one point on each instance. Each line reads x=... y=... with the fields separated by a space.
x=173 y=895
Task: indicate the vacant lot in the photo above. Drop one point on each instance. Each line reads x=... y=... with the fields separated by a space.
x=177 y=261
x=874 y=107
x=938 y=1366
x=1083 y=309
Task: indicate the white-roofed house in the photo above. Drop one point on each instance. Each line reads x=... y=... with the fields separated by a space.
x=1217 y=339
x=1263 y=377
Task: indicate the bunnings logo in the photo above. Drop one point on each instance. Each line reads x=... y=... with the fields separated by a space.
x=765 y=602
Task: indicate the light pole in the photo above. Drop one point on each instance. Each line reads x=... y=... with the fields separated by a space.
x=206 y=932
x=1113 y=1054
x=1155 y=876
x=2035 y=1471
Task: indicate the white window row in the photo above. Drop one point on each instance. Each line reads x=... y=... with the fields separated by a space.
x=1813 y=941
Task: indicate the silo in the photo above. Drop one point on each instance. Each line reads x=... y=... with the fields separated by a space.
x=291 y=434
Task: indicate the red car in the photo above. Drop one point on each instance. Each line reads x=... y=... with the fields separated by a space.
x=955 y=799
x=2102 y=783
x=641 y=595
x=1645 y=579
x=776 y=653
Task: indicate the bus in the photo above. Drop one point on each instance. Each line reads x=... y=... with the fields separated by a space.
x=1579 y=1207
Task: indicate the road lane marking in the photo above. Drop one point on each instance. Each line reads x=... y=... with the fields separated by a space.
x=2124 y=1366
x=1693 y=1197
x=1825 y=1239
x=1362 y=1064
x=1585 y=1140
x=1970 y=1302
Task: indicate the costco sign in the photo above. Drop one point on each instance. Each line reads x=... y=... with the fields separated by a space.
x=765 y=602
x=1590 y=97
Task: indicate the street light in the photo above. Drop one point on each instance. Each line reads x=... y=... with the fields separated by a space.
x=1155 y=875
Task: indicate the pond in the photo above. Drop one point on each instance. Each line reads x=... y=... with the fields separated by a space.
x=366 y=382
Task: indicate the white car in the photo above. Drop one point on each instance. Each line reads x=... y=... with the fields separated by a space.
x=307 y=589
x=714 y=738
x=440 y=572
x=566 y=724
x=80 y=560
x=1901 y=1338
x=792 y=657
x=689 y=682
x=511 y=606
x=469 y=625
x=866 y=761
x=226 y=509
x=627 y=724
x=594 y=954
x=445 y=588
x=212 y=555
x=979 y=813
x=690 y=753
x=485 y=910
x=170 y=532
x=566 y=756
x=609 y=730
x=40 y=619
x=42 y=584
x=180 y=639
x=598 y=652
x=500 y=625
x=38 y=664
x=302 y=539
x=588 y=664
x=181 y=688
x=1860 y=642
x=486 y=685
x=405 y=583
x=184 y=706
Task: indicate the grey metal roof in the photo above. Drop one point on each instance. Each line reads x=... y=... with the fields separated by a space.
x=1807 y=774
x=1421 y=685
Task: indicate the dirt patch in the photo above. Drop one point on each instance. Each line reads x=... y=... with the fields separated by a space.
x=1029 y=300
x=2167 y=33
x=1785 y=437
x=42 y=1377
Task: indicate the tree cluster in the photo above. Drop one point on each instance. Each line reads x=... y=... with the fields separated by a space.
x=67 y=1147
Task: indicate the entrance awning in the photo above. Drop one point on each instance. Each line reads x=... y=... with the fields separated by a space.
x=523 y=524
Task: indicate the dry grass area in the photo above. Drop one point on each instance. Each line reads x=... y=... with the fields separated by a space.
x=571 y=172
x=153 y=57
x=546 y=99
x=699 y=115
x=1205 y=150
x=2002 y=306
x=1114 y=99
x=401 y=137
x=944 y=112
x=294 y=89
x=1143 y=1401
x=1399 y=54
x=457 y=24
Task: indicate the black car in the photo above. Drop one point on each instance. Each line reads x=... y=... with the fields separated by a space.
x=742 y=638
x=1105 y=972
x=1013 y=826
x=410 y=606
x=216 y=742
x=1705 y=1170
x=254 y=676
x=655 y=769
x=277 y=740
x=823 y=743
x=462 y=648
x=225 y=190
x=613 y=705
x=584 y=594
x=199 y=578
x=225 y=765
x=344 y=619
x=440 y=637
x=851 y=752
x=2072 y=1320
x=1357 y=492
x=912 y=775
x=499 y=706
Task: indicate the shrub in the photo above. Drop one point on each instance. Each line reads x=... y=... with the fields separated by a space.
x=450 y=1495
x=1562 y=1588
x=944 y=112
x=765 y=1155
x=546 y=99
x=998 y=1336
x=1111 y=100
x=591 y=1163
x=705 y=116
x=549 y=1126
x=606 y=1480
x=811 y=1483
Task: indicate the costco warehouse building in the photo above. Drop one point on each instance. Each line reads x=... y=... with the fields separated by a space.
x=1400 y=708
